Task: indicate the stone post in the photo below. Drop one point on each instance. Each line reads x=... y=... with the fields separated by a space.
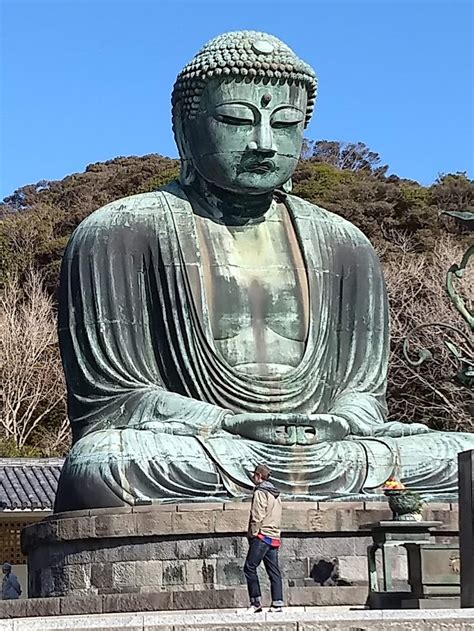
x=466 y=526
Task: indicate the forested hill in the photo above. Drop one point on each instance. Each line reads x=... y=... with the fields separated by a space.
x=348 y=179
x=403 y=219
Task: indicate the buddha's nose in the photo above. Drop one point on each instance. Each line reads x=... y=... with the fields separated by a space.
x=262 y=140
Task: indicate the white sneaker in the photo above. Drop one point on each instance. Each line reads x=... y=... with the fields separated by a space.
x=254 y=609
x=276 y=609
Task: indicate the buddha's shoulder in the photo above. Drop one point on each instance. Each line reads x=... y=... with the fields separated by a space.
x=327 y=222
x=135 y=210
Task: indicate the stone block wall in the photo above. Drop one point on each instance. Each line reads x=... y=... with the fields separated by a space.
x=195 y=547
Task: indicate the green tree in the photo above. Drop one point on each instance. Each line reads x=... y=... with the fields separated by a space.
x=352 y=156
x=453 y=191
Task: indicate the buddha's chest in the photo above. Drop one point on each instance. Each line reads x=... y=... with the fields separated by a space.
x=256 y=291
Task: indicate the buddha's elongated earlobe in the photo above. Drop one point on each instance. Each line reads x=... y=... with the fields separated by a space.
x=187 y=173
x=288 y=186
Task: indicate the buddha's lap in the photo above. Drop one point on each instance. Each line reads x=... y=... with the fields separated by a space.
x=117 y=467
x=428 y=450
x=132 y=444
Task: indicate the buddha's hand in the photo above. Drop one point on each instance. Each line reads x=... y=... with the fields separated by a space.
x=287 y=429
x=329 y=427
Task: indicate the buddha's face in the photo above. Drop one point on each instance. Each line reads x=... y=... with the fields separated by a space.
x=247 y=137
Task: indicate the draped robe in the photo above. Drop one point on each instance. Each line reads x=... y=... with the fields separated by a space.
x=147 y=389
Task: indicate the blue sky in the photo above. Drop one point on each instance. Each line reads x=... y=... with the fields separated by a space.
x=88 y=80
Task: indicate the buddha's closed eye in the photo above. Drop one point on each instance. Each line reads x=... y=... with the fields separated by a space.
x=286 y=117
x=234 y=114
x=242 y=114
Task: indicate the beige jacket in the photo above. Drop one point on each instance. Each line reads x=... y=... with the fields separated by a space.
x=265 y=512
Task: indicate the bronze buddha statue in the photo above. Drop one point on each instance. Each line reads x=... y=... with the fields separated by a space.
x=221 y=322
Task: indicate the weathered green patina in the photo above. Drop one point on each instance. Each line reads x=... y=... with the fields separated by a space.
x=221 y=321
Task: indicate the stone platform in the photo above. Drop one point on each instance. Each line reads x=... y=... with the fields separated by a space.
x=189 y=556
x=298 y=619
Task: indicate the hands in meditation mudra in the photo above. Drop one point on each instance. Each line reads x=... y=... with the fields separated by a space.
x=221 y=322
x=287 y=429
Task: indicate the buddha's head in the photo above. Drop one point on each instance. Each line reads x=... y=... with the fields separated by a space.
x=240 y=108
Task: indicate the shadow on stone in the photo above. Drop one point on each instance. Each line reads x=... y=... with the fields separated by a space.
x=326 y=573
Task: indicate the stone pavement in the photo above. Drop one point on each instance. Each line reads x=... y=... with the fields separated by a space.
x=292 y=619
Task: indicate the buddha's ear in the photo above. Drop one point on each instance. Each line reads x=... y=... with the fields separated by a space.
x=187 y=172
x=287 y=186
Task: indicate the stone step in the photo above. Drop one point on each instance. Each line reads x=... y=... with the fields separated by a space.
x=297 y=619
x=168 y=601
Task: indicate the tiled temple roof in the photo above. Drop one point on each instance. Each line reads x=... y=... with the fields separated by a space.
x=28 y=483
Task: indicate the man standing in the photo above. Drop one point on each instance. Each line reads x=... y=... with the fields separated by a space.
x=264 y=539
x=10 y=586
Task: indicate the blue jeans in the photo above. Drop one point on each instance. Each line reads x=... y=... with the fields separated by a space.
x=258 y=552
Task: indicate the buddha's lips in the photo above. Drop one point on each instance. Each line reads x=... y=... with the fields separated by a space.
x=260 y=166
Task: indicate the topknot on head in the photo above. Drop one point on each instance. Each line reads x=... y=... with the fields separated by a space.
x=247 y=55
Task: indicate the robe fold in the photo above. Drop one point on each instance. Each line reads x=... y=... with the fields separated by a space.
x=147 y=389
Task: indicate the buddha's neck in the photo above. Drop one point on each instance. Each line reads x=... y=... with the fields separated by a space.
x=227 y=207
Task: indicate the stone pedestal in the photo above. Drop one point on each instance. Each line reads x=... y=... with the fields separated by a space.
x=190 y=556
x=388 y=538
x=466 y=526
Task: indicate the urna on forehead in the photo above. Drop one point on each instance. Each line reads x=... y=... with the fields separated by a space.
x=249 y=56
